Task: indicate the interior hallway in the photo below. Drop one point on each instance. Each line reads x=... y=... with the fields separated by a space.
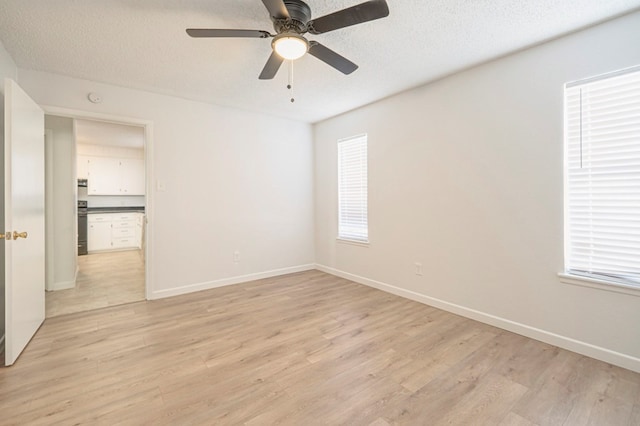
x=104 y=279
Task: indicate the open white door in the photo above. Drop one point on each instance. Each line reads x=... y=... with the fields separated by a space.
x=23 y=219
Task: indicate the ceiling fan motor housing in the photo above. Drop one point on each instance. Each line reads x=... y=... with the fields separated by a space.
x=300 y=15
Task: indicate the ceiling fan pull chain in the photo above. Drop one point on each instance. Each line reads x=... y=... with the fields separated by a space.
x=290 y=85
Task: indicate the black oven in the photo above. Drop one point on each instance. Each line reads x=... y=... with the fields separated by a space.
x=82 y=228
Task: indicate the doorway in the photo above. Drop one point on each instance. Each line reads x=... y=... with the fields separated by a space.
x=96 y=186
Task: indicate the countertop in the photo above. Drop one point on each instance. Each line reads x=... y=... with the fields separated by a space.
x=115 y=209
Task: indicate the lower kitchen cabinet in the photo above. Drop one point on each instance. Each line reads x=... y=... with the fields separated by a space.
x=113 y=231
x=123 y=231
x=139 y=233
x=98 y=235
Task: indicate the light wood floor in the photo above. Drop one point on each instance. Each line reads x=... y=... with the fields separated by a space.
x=302 y=349
x=104 y=279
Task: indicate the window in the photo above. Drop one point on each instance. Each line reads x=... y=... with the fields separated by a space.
x=602 y=178
x=352 y=189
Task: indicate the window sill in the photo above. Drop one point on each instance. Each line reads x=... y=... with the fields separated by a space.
x=353 y=242
x=599 y=284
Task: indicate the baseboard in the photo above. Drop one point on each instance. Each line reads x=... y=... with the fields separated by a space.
x=63 y=285
x=597 y=352
x=160 y=294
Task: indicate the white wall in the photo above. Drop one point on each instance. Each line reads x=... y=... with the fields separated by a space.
x=109 y=151
x=61 y=202
x=233 y=181
x=8 y=69
x=465 y=176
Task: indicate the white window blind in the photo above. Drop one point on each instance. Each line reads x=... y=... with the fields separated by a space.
x=352 y=189
x=602 y=133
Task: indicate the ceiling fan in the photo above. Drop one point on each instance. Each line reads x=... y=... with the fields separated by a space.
x=291 y=20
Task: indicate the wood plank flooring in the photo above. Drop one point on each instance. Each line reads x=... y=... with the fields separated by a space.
x=104 y=279
x=302 y=349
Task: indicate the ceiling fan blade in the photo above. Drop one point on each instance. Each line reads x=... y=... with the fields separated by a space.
x=364 y=12
x=271 y=67
x=204 y=32
x=330 y=57
x=277 y=9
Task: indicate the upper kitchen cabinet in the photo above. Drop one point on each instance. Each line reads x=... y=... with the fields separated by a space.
x=132 y=180
x=103 y=177
x=83 y=167
x=115 y=176
x=111 y=157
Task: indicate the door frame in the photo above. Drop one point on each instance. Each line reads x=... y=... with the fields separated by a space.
x=148 y=169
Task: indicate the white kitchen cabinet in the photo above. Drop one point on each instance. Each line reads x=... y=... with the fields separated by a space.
x=124 y=243
x=132 y=180
x=113 y=231
x=124 y=217
x=139 y=233
x=83 y=167
x=123 y=230
x=104 y=176
x=99 y=235
x=115 y=176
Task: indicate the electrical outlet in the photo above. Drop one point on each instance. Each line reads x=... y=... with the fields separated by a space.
x=418 y=266
x=236 y=256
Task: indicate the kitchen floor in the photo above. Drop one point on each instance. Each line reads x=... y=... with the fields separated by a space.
x=104 y=279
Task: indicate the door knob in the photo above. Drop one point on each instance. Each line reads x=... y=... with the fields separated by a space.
x=6 y=236
x=17 y=235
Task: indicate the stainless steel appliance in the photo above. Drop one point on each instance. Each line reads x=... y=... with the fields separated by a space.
x=82 y=189
x=82 y=228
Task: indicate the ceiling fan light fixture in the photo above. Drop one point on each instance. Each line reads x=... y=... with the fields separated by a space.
x=290 y=46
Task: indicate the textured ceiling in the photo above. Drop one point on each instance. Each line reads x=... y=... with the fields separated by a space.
x=142 y=44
